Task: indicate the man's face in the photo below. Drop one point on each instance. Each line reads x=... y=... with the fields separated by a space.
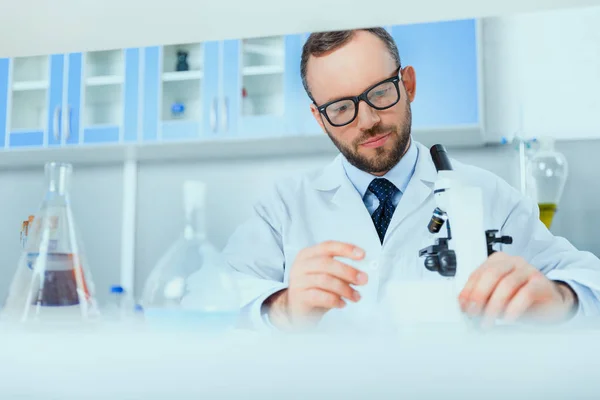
x=376 y=139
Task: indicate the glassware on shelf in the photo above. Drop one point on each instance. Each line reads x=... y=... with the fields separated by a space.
x=52 y=282
x=189 y=286
x=178 y=110
x=182 y=62
x=247 y=104
x=547 y=173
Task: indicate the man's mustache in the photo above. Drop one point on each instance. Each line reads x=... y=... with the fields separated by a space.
x=376 y=130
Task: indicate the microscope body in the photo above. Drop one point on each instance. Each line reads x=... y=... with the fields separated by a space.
x=461 y=206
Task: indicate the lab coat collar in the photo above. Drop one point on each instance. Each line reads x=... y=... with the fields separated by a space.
x=333 y=175
x=346 y=197
x=399 y=175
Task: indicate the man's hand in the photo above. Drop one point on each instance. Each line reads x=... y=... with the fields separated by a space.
x=317 y=283
x=508 y=287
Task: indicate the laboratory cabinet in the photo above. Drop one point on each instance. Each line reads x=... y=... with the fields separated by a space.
x=69 y=99
x=231 y=88
x=217 y=89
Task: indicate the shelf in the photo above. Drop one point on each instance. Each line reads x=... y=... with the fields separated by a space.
x=217 y=149
x=29 y=110
x=262 y=70
x=30 y=85
x=102 y=64
x=104 y=80
x=182 y=76
x=264 y=95
x=103 y=105
x=181 y=92
x=31 y=69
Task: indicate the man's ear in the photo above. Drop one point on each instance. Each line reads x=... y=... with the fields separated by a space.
x=409 y=80
x=317 y=115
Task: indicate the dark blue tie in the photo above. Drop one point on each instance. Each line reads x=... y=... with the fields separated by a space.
x=384 y=190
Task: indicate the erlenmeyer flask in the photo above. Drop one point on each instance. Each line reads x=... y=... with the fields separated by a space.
x=547 y=171
x=189 y=286
x=52 y=282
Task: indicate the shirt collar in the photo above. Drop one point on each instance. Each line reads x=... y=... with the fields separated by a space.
x=400 y=175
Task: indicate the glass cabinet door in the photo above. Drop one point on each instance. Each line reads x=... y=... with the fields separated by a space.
x=102 y=105
x=259 y=80
x=179 y=82
x=33 y=100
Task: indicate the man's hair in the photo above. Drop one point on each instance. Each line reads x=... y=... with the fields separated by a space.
x=321 y=43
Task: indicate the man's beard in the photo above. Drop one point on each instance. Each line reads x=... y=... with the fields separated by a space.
x=384 y=160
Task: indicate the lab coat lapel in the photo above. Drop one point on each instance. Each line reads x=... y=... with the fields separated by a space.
x=348 y=211
x=418 y=190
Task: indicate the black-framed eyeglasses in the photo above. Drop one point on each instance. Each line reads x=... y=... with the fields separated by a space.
x=380 y=96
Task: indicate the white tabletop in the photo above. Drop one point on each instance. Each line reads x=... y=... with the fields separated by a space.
x=419 y=362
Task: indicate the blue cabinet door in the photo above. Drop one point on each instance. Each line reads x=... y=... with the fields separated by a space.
x=228 y=103
x=264 y=119
x=73 y=103
x=151 y=93
x=121 y=86
x=4 y=65
x=445 y=58
x=49 y=104
x=179 y=105
x=210 y=88
x=55 y=100
x=131 y=105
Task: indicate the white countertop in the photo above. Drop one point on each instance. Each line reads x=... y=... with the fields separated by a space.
x=421 y=362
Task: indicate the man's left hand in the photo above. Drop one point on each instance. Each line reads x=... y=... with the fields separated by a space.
x=508 y=287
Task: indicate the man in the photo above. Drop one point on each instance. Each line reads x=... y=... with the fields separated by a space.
x=317 y=242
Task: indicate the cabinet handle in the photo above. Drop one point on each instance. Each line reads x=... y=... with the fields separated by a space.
x=224 y=115
x=68 y=123
x=55 y=125
x=213 y=116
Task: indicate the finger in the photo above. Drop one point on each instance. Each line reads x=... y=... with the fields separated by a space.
x=337 y=269
x=503 y=294
x=496 y=259
x=334 y=248
x=317 y=298
x=485 y=285
x=522 y=301
x=331 y=284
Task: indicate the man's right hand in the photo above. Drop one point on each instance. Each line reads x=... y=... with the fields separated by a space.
x=317 y=283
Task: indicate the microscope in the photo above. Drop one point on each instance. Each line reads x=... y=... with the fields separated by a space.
x=439 y=257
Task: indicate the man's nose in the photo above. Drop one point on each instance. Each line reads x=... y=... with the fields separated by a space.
x=367 y=116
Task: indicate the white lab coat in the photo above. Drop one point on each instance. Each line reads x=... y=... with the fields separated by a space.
x=324 y=205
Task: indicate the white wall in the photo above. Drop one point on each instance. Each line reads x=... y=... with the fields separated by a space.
x=31 y=27
x=542 y=74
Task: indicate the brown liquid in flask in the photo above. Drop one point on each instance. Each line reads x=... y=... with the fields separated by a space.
x=52 y=281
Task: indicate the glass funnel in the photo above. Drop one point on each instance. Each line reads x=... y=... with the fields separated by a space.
x=52 y=282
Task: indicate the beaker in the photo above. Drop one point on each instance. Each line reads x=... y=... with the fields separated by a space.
x=52 y=282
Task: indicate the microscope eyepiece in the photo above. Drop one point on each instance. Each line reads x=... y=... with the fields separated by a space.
x=440 y=158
